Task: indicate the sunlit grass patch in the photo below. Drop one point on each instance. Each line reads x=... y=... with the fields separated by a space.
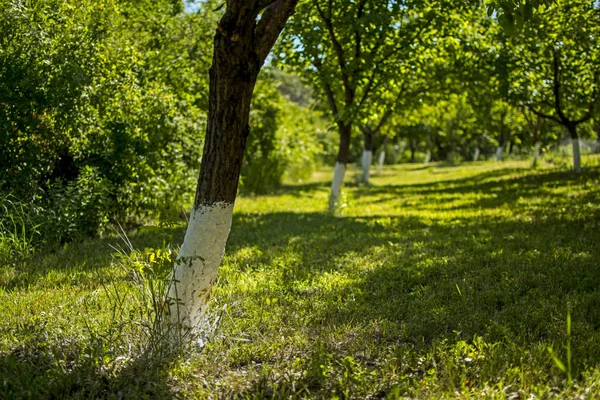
x=435 y=282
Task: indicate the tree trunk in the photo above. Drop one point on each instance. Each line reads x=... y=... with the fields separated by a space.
x=241 y=45
x=576 y=148
x=536 y=153
x=340 y=166
x=412 y=150
x=367 y=156
x=381 y=160
x=366 y=161
x=395 y=153
x=498 y=156
x=427 y=159
x=476 y=154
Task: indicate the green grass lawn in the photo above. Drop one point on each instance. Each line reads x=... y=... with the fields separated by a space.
x=435 y=282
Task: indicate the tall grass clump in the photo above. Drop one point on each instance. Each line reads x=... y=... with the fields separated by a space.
x=20 y=228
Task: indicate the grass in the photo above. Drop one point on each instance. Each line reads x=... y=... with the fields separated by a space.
x=438 y=281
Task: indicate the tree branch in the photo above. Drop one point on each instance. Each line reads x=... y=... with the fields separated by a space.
x=339 y=50
x=328 y=91
x=556 y=89
x=357 y=35
x=271 y=24
x=541 y=114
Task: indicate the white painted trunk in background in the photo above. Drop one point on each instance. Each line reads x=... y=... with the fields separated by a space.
x=576 y=156
x=380 y=162
x=197 y=265
x=336 y=186
x=536 y=153
x=476 y=154
x=427 y=157
x=367 y=160
x=498 y=156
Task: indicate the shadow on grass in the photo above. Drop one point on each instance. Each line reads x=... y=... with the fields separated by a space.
x=408 y=282
x=82 y=263
x=53 y=371
x=505 y=191
x=418 y=285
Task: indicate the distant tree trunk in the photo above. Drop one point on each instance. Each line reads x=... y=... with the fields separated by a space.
x=561 y=118
x=381 y=156
x=441 y=151
x=498 y=156
x=241 y=45
x=395 y=153
x=576 y=148
x=340 y=166
x=367 y=155
x=536 y=153
x=429 y=154
x=413 y=149
x=476 y=153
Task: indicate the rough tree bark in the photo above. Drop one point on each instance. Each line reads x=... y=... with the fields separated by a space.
x=241 y=44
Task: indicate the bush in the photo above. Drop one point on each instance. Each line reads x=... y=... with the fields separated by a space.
x=103 y=106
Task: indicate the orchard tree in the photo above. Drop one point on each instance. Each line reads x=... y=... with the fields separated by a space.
x=557 y=71
x=350 y=52
x=243 y=39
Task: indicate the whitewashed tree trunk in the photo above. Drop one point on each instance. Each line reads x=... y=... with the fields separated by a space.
x=536 y=153
x=476 y=154
x=367 y=160
x=396 y=153
x=576 y=156
x=380 y=162
x=498 y=156
x=336 y=186
x=197 y=265
x=427 y=157
x=241 y=46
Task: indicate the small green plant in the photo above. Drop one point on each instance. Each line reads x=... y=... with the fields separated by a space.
x=557 y=361
x=141 y=305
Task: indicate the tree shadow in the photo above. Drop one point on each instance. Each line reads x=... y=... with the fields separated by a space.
x=426 y=283
x=502 y=190
x=79 y=263
x=44 y=369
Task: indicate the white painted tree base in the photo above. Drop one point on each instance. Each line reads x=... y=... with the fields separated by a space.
x=336 y=186
x=536 y=153
x=576 y=156
x=498 y=156
x=380 y=162
x=427 y=157
x=197 y=265
x=367 y=160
